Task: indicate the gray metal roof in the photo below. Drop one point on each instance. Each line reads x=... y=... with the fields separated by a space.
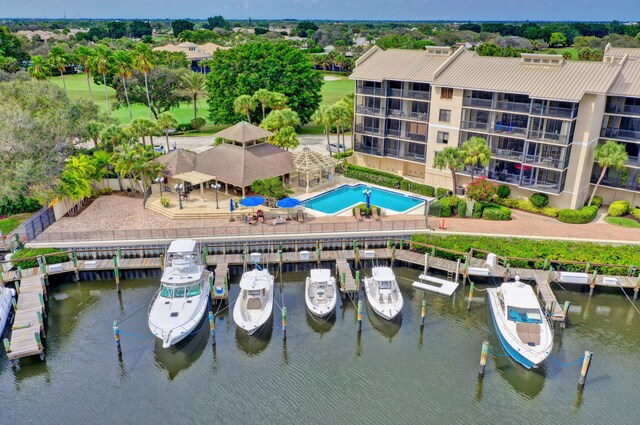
x=628 y=81
x=397 y=64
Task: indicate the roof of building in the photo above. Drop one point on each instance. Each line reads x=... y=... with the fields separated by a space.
x=194 y=177
x=620 y=52
x=243 y=132
x=628 y=81
x=397 y=64
x=308 y=161
x=192 y=51
x=178 y=161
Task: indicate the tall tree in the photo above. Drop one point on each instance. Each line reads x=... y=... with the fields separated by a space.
x=39 y=68
x=143 y=62
x=141 y=128
x=323 y=116
x=475 y=152
x=180 y=25
x=58 y=58
x=101 y=62
x=349 y=101
x=165 y=89
x=451 y=159
x=167 y=122
x=83 y=55
x=267 y=99
x=342 y=119
x=195 y=86
x=123 y=68
x=609 y=155
x=244 y=104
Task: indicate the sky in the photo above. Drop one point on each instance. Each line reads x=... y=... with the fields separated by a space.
x=457 y=10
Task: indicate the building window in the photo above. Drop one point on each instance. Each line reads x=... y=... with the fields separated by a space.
x=445 y=115
x=443 y=137
x=446 y=93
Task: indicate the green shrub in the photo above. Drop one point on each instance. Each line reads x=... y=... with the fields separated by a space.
x=372 y=176
x=539 y=200
x=623 y=255
x=197 y=123
x=597 y=201
x=343 y=155
x=503 y=191
x=477 y=210
x=445 y=209
x=618 y=208
x=420 y=189
x=18 y=205
x=636 y=213
x=165 y=201
x=585 y=215
x=441 y=191
x=525 y=205
x=35 y=252
x=481 y=190
x=435 y=209
x=497 y=212
x=491 y=214
x=462 y=208
x=364 y=210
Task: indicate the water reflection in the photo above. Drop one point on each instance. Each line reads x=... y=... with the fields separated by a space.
x=181 y=356
x=321 y=325
x=256 y=343
x=387 y=328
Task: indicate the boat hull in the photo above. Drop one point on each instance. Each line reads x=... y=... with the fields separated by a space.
x=254 y=322
x=6 y=296
x=321 y=312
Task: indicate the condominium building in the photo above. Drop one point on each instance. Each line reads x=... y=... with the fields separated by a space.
x=542 y=117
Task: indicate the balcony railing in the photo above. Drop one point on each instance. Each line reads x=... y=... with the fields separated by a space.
x=368 y=130
x=375 y=91
x=367 y=110
x=504 y=176
x=420 y=116
x=392 y=152
x=395 y=92
x=629 y=184
x=504 y=105
x=370 y=150
x=623 y=109
x=553 y=111
x=633 y=161
x=548 y=136
x=417 y=94
x=509 y=129
x=474 y=125
x=416 y=157
x=547 y=161
x=507 y=153
x=396 y=112
x=478 y=103
x=542 y=186
x=407 y=135
x=616 y=133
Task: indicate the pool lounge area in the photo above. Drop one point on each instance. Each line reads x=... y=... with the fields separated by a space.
x=343 y=198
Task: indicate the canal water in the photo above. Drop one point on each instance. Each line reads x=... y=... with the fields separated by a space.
x=324 y=373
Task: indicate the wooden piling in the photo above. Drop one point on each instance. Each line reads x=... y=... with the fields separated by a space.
x=423 y=312
x=284 y=322
x=592 y=283
x=359 y=316
x=457 y=270
x=483 y=357
x=636 y=289
x=116 y=336
x=586 y=364
x=162 y=261
x=470 y=296
x=358 y=279
x=116 y=273
x=212 y=325
x=565 y=312
x=211 y=289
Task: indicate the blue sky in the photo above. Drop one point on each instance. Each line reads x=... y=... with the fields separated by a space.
x=595 y=10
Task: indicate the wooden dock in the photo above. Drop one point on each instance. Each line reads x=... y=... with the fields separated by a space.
x=28 y=326
x=347 y=282
x=221 y=280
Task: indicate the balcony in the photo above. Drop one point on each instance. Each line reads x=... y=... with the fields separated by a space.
x=504 y=177
x=369 y=150
x=368 y=130
x=548 y=137
x=547 y=161
x=396 y=113
x=623 y=109
x=542 y=186
x=477 y=171
x=415 y=157
x=419 y=116
x=633 y=161
x=553 y=111
x=366 y=110
x=520 y=107
x=417 y=94
x=616 y=182
x=407 y=135
x=509 y=129
x=477 y=103
x=508 y=154
x=616 y=133
x=474 y=125
x=374 y=91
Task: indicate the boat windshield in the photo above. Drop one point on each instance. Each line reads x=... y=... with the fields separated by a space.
x=166 y=291
x=254 y=293
x=193 y=291
x=384 y=284
x=524 y=315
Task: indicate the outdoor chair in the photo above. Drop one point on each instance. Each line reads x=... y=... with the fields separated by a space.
x=358 y=215
x=300 y=216
x=374 y=214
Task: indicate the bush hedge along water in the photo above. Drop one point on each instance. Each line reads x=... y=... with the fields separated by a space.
x=585 y=215
x=618 y=208
x=36 y=252
x=623 y=255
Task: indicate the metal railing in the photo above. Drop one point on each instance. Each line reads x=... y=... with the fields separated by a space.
x=480 y=103
x=368 y=130
x=548 y=136
x=474 y=125
x=395 y=92
x=420 y=116
x=417 y=94
x=507 y=153
x=547 y=161
x=375 y=91
x=633 y=161
x=553 y=111
x=620 y=109
x=618 y=133
x=505 y=105
x=289 y=228
x=361 y=109
x=369 y=150
x=509 y=129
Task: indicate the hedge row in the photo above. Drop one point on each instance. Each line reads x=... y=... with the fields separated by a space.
x=495 y=212
x=18 y=205
x=526 y=205
x=364 y=210
x=420 y=189
x=618 y=208
x=585 y=215
x=35 y=252
x=636 y=213
x=385 y=179
x=623 y=255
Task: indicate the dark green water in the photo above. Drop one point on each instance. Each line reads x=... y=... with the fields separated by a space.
x=323 y=374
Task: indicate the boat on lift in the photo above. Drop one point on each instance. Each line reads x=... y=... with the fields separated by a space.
x=320 y=293
x=383 y=293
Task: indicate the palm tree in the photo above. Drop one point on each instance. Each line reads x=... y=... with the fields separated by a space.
x=92 y=131
x=278 y=101
x=475 y=151
x=101 y=62
x=83 y=54
x=244 y=104
x=280 y=118
x=349 y=101
x=167 y=122
x=142 y=127
x=451 y=159
x=323 y=116
x=39 y=69
x=342 y=118
x=264 y=97
x=195 y=86
x=122 y=64
x=59 y=59
x=143 y=62
x=609 y=155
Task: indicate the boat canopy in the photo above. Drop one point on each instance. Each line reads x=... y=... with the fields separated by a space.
x=383 y=274
x=255 y=280
x=520 y=296
x=320 y=275
x=182 y=245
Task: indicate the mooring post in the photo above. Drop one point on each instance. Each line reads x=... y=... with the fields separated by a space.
x=344 y=280
x=483 y=357
x=119 y=253
x=592 y=282
x=586 y=267
x=359 y=316
x=565 y=313
x=205 y=254
x=470 y=296
x=44 y=287
x=211 y=289
x=162 y=261
x=552 y=308
x=17 y=285
x=318 y=255
x=7 y=345
x=212 y=325
x=116 y=272
x=284 y=322
x=116 y=336
x=586 y=364
x=41 y=299
x=74 y=258
x=423 y=312
x=393 y=255
x=545 y=264
x=636 y=289
x=358 y=280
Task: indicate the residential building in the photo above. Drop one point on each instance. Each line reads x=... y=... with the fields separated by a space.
x=195 y=53
x=542 y=117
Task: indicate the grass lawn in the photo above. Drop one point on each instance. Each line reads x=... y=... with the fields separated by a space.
x=560 y=50
x=9 y=223
x=622 y=221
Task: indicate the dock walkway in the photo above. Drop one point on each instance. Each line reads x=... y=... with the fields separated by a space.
x=28 y=326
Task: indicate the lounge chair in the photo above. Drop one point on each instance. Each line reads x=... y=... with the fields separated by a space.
x=358 y=215
x=300 y=216
x=276 y=221
x=374 y=214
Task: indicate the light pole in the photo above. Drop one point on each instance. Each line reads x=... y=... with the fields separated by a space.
x=160 y=181
x=216 y=186
x=367 y=193
x=179 y=188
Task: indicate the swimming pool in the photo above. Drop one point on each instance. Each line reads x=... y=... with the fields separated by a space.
x=346 y=196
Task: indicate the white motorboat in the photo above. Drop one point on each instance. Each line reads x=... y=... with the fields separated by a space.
x=255 y=301
x=383 y=293
x=320 y=292
x=6 y=301
x=181 y=302
x=522 y=326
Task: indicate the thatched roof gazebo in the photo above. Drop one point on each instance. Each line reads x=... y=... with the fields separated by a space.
x=243 y=133
x=312 y=167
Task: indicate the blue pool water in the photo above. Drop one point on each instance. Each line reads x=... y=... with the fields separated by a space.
x=346 y=196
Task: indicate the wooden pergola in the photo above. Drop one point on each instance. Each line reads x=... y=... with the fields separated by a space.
x=313 y=166
x=195 y=177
